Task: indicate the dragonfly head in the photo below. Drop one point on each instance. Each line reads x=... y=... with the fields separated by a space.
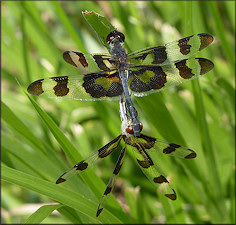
x=132 y=128
x=115 y=37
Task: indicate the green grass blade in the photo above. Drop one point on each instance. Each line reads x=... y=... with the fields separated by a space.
x=90 y=178
x=68 y=25
x=12 y=120
x=215 y=188
x=67 y=147
x=100 y=24
x=71 y=214
x=220 y=29
x=58 y=193
x=41 y=214
x=156 y=103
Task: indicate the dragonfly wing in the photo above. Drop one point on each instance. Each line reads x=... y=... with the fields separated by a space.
x=110 y=184
x=176 y=50
x=174 y=150
x=144 y=80
x=162 y=146
x=149 y=168
x=89 y=62
x=103 y=85
x=101 y=153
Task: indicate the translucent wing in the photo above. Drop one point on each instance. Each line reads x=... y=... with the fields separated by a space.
x=144 y=80
x=110 y=184
x=161 y=146
x=177 y=50
x=150 y=168
x=101 y=153
x=102 y=85
x=88 y=63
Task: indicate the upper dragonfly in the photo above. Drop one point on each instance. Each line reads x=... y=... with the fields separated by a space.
x=142 y=72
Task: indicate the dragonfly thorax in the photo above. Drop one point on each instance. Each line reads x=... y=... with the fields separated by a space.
x=116 y=40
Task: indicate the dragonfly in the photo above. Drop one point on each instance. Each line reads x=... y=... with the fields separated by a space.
x=140 y=73
x=142 y=146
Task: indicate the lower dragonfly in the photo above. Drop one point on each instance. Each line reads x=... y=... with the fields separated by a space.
x=142 y=145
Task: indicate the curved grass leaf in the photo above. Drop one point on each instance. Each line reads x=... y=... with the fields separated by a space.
x=43 y=212
x=57 y=193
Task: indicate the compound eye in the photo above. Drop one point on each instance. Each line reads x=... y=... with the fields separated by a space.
x=130 y=130
x=121 y=36
x=115 y=34
x=110 y=37
x=141 y=126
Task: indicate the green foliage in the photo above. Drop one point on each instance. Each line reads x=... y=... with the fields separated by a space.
x=39 y=135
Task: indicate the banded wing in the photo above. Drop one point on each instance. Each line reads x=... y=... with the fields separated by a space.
x=177 y=50
x=161 y=146
x=88 y=63
x=101 y=153
x=110 y=184
x=147 y=79
x=150 y=169
x=92 y=87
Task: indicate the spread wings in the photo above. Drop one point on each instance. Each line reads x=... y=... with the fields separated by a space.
x=150 y=70
x=142 y=146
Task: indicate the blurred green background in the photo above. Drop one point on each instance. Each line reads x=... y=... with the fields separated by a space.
x=42 y=140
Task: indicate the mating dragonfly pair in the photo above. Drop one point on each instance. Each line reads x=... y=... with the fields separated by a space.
x=114 y=75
